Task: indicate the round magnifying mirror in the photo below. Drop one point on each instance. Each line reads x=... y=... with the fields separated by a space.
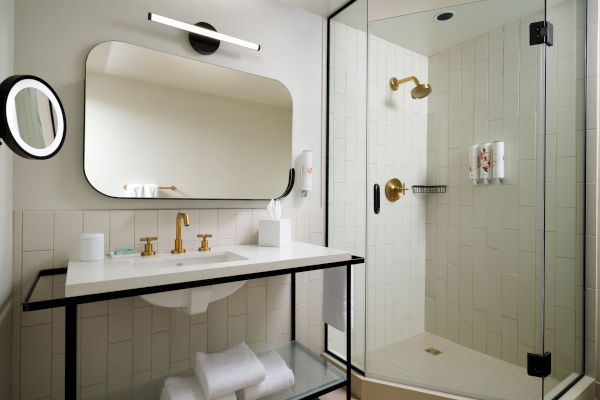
x=33 y=123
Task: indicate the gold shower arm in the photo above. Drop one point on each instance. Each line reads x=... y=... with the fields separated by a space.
x=395 y=82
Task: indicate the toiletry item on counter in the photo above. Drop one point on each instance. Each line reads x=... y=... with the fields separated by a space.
x=485 y=162
x=186 y=388
x=307 y=172
x=91 y=247
x=335 y=297
x=124 y=252
x=227 y=371
x=279 y=377
x=474 y=164
x=274 y=232
x=498 y=161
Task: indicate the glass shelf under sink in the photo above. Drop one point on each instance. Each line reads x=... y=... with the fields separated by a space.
x=312 y=376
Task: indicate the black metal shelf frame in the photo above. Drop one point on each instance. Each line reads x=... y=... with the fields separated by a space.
x=70 y=304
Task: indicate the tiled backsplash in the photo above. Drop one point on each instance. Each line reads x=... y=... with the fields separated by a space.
x=128 y=341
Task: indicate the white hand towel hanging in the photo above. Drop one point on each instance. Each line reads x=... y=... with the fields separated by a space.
x=334 y=297
x=151 y=191
x=135 y=190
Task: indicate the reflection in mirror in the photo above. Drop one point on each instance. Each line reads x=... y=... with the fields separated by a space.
x=35 y=118
x=155 y=120
x=33 y=123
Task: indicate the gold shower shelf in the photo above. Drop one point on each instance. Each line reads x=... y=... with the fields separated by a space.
x=173 y=188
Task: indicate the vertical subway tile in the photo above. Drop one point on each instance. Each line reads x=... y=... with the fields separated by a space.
x=122 y=225
x=68 y=226
x=38 y=230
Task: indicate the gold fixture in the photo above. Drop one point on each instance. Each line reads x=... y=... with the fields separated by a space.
x=173 y=188
x=148 y=249
x=420 y=91
x=204 y=243
x=433 y=351
x=394 y=189
x=178 y=241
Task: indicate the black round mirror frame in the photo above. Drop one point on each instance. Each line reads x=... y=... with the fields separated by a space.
x=6 y=133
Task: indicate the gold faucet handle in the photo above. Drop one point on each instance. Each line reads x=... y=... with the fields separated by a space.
x=148 y=248
x=204 y=243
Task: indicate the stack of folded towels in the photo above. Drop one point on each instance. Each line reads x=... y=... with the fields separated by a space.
x=236 y=373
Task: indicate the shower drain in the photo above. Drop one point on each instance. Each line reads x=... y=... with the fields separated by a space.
x=433 y=351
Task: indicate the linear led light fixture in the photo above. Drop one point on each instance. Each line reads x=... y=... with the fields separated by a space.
x=201 y=35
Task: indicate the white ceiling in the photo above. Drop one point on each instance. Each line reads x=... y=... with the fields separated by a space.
x=422 y=33
x=411 y=23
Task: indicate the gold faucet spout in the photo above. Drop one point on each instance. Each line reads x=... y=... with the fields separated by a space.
x=178 y=240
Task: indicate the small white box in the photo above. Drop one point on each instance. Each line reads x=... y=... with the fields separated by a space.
x=91 y=247
x=274 y=232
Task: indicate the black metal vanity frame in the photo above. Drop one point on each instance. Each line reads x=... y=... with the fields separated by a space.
x=70 y=304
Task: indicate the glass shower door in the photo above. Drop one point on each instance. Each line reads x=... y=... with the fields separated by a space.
x=453 y=262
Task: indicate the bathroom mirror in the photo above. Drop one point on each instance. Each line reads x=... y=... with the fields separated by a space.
x=33 y=123
x=163 y=126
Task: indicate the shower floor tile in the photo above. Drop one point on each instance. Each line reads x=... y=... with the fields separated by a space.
x=456 y=369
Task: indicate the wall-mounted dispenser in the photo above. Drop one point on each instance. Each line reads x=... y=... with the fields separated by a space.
x=307 y=171
x=486 y=161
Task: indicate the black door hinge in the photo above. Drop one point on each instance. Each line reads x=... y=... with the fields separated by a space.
x=539 y=365
x=541 y=32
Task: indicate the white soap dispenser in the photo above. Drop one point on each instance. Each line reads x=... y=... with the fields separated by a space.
x=307 y=171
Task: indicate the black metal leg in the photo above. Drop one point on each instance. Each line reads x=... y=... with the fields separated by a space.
x=293 y=305
x=349 y=331
x=71 y=352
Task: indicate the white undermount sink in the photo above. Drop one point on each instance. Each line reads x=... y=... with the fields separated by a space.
x=195 y=300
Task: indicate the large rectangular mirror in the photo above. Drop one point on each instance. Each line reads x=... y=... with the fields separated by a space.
x=159 y=125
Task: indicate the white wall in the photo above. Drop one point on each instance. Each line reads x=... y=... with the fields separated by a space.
x=291 y=42
x=6 y=194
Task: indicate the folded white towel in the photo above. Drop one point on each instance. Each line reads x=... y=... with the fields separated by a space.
x=279 y=377
x=227 y=371
x=334 y=297
x=186 y=388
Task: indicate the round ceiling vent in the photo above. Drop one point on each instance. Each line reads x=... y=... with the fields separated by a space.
x=444 y=16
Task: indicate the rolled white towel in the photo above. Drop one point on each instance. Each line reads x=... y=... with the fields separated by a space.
x=279 y=377
x=186 y=388
x=228 y=371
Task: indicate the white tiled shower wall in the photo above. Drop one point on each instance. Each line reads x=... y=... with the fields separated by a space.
x=481 y=248
x=127 y=341
x=397 y=148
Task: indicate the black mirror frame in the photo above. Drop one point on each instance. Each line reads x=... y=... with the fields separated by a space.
x=7 y=135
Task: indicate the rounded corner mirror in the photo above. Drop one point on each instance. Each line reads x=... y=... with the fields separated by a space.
x=33 y=123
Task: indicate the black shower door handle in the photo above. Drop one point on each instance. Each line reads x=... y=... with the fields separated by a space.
x=376 y=199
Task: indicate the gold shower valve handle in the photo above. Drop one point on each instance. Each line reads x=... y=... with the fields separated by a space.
x=204 y=243
x=148 y=248
x=395 y=189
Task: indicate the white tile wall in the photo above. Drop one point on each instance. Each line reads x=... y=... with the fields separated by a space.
x=128 y=341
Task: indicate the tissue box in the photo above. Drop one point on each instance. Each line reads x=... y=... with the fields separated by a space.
x=274 y=232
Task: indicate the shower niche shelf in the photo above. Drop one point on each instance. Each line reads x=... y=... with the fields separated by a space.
x=425 y=189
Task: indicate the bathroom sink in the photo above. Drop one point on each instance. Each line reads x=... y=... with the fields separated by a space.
x=187 y=260
x=195 y=300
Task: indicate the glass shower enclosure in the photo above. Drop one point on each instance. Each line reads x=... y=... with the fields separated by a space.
x=456 y=167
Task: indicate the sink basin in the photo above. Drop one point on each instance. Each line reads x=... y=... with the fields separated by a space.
x=195 y=300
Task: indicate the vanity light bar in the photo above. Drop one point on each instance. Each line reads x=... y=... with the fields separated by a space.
x=201 y=31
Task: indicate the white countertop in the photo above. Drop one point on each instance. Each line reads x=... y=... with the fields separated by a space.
x=121 y=274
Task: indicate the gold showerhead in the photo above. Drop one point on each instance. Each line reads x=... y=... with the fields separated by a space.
x=420 y=91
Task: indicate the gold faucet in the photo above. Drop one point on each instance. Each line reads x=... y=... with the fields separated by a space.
x=178 y=241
